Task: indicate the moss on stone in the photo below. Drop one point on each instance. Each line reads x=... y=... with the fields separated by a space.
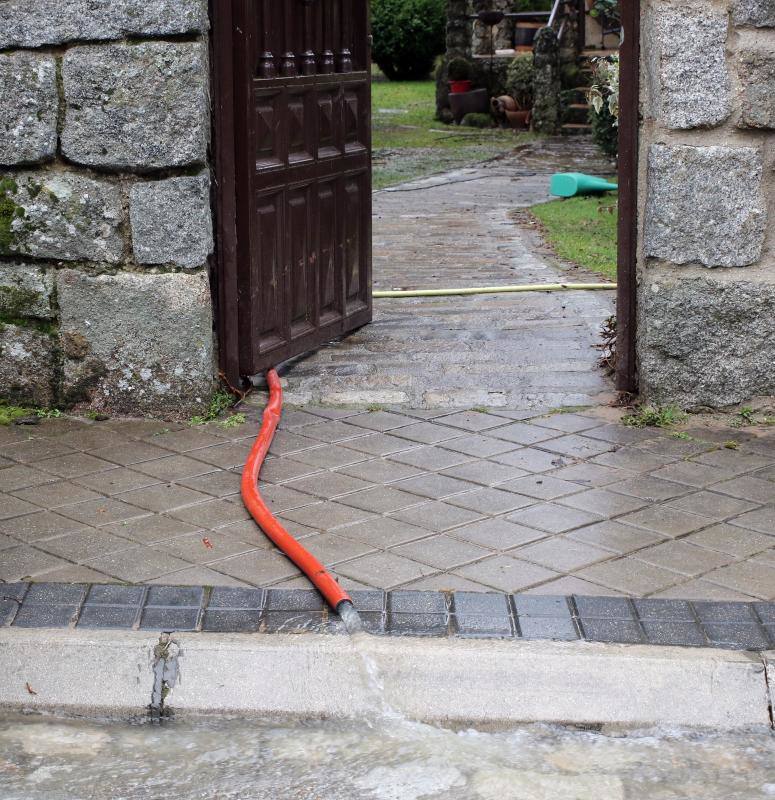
x=9 y=211
x=14 y=300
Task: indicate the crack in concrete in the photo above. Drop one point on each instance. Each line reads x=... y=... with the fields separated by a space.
x=165 y=675
x=768 y=691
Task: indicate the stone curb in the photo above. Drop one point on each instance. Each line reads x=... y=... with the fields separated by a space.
x=133 y=673
x=662 y=622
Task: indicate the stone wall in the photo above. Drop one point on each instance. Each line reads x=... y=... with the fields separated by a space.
x=105 y=213
x=706 y=271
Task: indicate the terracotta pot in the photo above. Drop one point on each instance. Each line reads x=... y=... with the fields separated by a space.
x=505 y=103
x=474 y=102
x=459 y=87
x=519 y=120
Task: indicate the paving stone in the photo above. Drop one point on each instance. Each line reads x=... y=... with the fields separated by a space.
x=737 y=636
x=571 y=585
x=11 y=506
x=130 y=453
x=473 y=421
x=41 y=525
x=506 y=574
x=664 y=610
x=710 y=504
x=384 y=570
x=333 y=549
x=479 y=446
x=235 y=598
x=630 y=576
x=327 y=456
x=618 y=434
x=575 y=446
x=258 y=568
x=383 y=532
x=239 y=621
x=486 y=473
x=279 y=470
x=332 y=432
x=381 y=499
x=196 y=576
x=612 y=630
x=477 y=626
x=74 y=466
x=733 y=462
x=379 y=444
x=45 y=616
x=614 y=536
x=203 y=547
x=112 y=595
x=445 y=582
x=53 y=495
x=162 y=497
x=497 y=534
x=523 y=434
x=724 y=613
x=380 y=471
x=84 y=545
x=491 y=501
x=436 y=516
x=170 y=619
x=55 y=594
x=691 y=473
x=732 y=540
x=328 y=485
x=25 y=562
x=548 y=628
x=427 y=433
x=150 y=529
x=665 y=520
x=543 y=487
x=762 y=520
x=553 y=518
x=431 y=458
x=442 y=552
x=602 y=502
x=381 y=421
x=679 y=556
x=531 y=460
x=543 y=606
x=684 y=634
x=604 y=608
x=137 y=564
x=562 y=555
x=293 y=600
x=434 y=487
x=20 y=477
x=631 y=458
x=110 y=617
x=326 y=516
x=746 y=576
x=219 y=484
x=173 y=468
x=649 y=488
x=701 y=589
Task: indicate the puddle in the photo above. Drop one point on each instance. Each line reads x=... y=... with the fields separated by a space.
x=44 y=758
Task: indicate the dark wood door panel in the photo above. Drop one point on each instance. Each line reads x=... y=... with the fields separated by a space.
x=302 y=122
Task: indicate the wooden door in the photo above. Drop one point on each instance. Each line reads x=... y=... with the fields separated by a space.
x=295 y=260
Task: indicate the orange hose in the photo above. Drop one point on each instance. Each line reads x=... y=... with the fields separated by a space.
x=322 y=580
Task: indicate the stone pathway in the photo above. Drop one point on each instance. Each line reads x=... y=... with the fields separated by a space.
x=571 y=503
x=512 y=351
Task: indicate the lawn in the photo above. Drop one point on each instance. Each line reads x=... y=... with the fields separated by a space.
x=409 y=143
x=582 y=230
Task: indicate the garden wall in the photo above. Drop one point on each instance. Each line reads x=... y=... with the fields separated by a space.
x=105 y=213
x=706 y=271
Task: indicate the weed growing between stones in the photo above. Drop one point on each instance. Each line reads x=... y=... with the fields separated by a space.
x=10 y=413
x=234 y=421
x=655 y=417
x=9 y=211
x=222 y=400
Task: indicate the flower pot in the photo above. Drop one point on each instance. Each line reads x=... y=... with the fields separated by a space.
x=475 y=102
x=520 y=120
x=459 y=87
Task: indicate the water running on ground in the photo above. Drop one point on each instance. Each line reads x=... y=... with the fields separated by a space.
x=228 y=759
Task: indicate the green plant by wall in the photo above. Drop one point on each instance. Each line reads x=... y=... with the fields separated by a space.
x=459 y=69
x=408 y=36
x=477 y=121
x=605 y=131
x=519 y=79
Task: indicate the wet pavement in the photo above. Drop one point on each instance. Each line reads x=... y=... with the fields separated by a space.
x=383 y=760
x=511 y=501
x=512 y=351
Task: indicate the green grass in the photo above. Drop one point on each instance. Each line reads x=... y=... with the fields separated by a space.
x=408 y=143
x=582 y=230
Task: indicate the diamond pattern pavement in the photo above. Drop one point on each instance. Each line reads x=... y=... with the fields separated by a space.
x=576 y=502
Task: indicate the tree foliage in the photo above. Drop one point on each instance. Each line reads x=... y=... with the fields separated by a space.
x=408 y=36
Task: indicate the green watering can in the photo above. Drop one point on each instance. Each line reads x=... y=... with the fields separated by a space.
x=570 y=184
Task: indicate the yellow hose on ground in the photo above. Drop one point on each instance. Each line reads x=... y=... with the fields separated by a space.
x=528 y=287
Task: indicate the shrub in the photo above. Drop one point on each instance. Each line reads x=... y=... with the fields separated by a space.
x=408 y=35
x=459 y=69
x=519 y=80
x=604 y=102
x=477 y=121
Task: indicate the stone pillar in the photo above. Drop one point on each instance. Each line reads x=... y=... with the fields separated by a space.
x=458 y=46
x=546 y=82
x=706 y=266
x=105 y=214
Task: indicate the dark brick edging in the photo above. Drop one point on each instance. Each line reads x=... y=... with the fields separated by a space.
x=725 y=625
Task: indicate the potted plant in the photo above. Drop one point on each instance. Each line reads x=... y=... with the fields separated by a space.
x=459 y=74
x=519 y=86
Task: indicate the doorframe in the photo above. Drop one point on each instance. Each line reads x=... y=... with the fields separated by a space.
x=223 y=279
x=629 y=142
